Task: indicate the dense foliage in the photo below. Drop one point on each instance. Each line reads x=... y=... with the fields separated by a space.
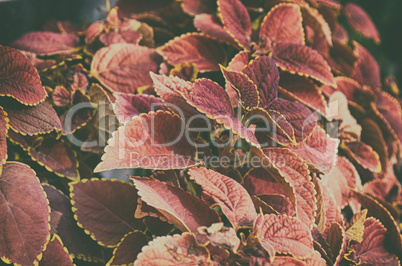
x=253 y=133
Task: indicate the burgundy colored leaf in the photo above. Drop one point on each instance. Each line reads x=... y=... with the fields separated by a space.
x=195 y=48
x=366 y=70
x=279 y=203
x=284 y=234
x=24 y=213
x=211 y=26
x=19 y=78
x=364 y=155
x=3 y=136
x=371 y=250
x=61 y=96
x=56 y=254
x=56 y=156
x=93 y=31
x=186 y=71
x=238 y=62
x=128 y=105
x=46 y=43
x=259 y=182
x=127 y=250
x=195 y=7
x=232 y=197
x=110 y=38
x=80 y=81
x=340 y=34
x=32 y=120
x=125 y=67
x=236 y=21
x=390 y=109
x=313 y=18
x=79 y=244
x=318 y=150
x=337 y=242
x=245 y=88
x=378 y=211
x=173 y=250
x=294 y=171
x=55 y=217
x=220 y=236
x=304 y=61
x=265 y=75
x=361 y=22
x=283 y=24
x=144 y=142
x=115 y=202
x=184 y=210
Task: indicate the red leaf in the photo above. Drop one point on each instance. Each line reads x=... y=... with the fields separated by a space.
x=284 y=234
x=33 y=120
x=61 y=96
x=259 y=181
x=366 y=70
x=238 y=62
x=47 y=43
x=3 y=136
x=303 y=61
x=279 y=203
x=283 y=24
x=233 y=199
x=313 y=18
x=130 y=36
x=352 y=90
x=80 y=81
x=361 y=22
x=19 y=78
x=128 y=105
x=56 y=254
x=390 y=109
x=141 y=143
x=195 y=48
x=294 y=171
x=195 y=7
x=337 y=242
x=364 y=155
x=184 y=210
x=93 y=31
x=79 y=244
x=211 y=26
x=245 y=88
x=25 y=223
x=265 y=75
x=125 y=67
x=236 y=21
x=173 y=250
x=340 y=34
x=114 y=201
x=371 y=250
x=318 y=150
x=127 y=250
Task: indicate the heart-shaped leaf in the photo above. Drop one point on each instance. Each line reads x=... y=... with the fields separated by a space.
x=127 y=250
x=361 y=22
x=125 y=67
x=141 y=143
x=173 y=250
x=236 y=21
x=184 y=210
x=25 y=223
x=114 y=201
x=56 y=254
x=195 y=48
x=19 y=78
x=304 y=61
x=283 y=24
x=47 y=43
x=232 y=197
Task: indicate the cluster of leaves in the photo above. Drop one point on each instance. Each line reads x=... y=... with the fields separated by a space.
x=307 y=136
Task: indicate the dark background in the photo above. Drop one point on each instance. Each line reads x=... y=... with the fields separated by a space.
x=20 y=16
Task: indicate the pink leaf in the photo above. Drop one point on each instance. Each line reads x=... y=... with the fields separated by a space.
x=366 y=70
x=211 y=26
x=361 y=22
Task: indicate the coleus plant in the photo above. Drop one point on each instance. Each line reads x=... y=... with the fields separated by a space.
x=265 y=138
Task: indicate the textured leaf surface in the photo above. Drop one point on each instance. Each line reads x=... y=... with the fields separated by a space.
x=105 y=209
x=283 y=24
x=79 y=244
x=56 y=254
x=110 y=38
x=285 y=234
x=279 y=203
x=46 y=43
x=19 y=78
x=337 y=241
x=61 y=96
x=372 y=136
x=232 y=197
x=124 y=67
x=195 y=48
x=361 y=22
x=144 y=142
x=220 y=236
x=211 y=26
x=25 y=223
x=236 y=21
x=33 y=120
x=259 y=181
x=3 y=136
x=390 y=109
x=318 y=150
x=366 y=70
x=355 y=230
x=182 y=209
x=303 y=60
x=173 y=250
x=313 y=18
x=127 y=250
x=364 y=155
